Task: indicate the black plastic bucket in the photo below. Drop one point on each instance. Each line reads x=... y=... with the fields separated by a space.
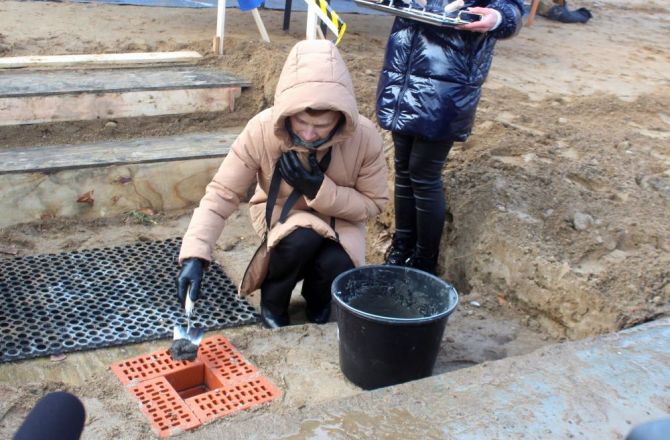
x=390 y=323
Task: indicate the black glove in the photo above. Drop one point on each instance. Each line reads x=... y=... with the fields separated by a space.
x=307 y=182
x=190 y=275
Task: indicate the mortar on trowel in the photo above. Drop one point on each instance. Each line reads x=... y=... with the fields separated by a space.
x=186 y=339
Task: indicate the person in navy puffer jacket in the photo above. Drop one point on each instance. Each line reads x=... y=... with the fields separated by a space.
x=428 y=91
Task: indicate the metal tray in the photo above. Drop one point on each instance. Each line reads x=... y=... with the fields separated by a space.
x=422 y=15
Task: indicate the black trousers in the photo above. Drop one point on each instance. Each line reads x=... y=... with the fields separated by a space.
x=420 y=208
x=303 y=255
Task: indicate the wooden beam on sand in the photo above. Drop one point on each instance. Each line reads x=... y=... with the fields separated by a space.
x=533 y=11
x=102 y=60
x=33 y=97
x=89 y=106
x=51 y=158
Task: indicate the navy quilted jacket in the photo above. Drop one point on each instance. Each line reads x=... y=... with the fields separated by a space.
x=431 y=79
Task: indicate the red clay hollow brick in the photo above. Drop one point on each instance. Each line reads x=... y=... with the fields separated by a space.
x=220 y=355
x=181 y=395
x=229 y=399
x=147 y=366
x=165 y=409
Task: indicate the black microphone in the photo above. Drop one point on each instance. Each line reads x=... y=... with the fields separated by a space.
x=57 y=415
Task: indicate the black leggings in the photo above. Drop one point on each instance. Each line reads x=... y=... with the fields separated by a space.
x=303 y=255
x=420 y=208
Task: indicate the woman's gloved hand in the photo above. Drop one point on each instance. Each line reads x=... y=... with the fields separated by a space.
x=307 y=182
x=190 y=275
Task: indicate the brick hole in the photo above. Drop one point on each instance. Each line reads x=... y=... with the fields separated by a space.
x=193 y=381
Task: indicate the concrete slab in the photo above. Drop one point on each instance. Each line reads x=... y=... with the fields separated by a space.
x=597 y=388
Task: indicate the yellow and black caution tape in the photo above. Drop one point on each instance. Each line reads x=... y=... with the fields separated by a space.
x=330 y=17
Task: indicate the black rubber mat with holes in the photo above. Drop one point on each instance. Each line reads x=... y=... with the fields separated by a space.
x=60 y=303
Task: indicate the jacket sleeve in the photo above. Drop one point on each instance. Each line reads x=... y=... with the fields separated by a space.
x=222 y=196
x=368 y=196
x=511 y=11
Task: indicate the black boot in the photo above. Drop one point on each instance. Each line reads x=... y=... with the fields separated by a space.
x=399 y=252
x=564 y=15
x=426 y=264
x=318 y=316
x=271 y=320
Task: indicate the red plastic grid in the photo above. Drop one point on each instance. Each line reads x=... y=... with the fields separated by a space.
x=166 y=411
x=179 y=395
x=147 y=367
x=229 y=399
x=220 y=355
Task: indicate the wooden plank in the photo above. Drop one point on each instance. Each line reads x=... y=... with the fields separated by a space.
x=154 y=149
x=102 y=60
x=220 y=25
x=42 y=83
x=260 y=25
x=79 y=107
x=533 y=10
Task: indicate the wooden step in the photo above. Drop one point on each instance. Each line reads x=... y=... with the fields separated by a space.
x=50 y=159
x=109 y=178
x=32 y=97
x=101 y=60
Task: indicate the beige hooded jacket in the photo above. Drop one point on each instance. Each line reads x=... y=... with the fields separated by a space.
x=355 y=184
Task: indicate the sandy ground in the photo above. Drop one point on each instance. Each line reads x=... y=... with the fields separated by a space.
x=302 y=360
x=559 y=200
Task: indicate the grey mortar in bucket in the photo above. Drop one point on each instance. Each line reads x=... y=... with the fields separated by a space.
x=390 y=321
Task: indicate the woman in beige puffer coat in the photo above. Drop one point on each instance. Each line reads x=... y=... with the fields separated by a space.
x=314 y=119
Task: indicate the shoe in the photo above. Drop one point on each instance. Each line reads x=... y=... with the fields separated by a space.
x=564 y=15
x=320 y=316
x=271 y=321
x=426 y=264
x=399 y=252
